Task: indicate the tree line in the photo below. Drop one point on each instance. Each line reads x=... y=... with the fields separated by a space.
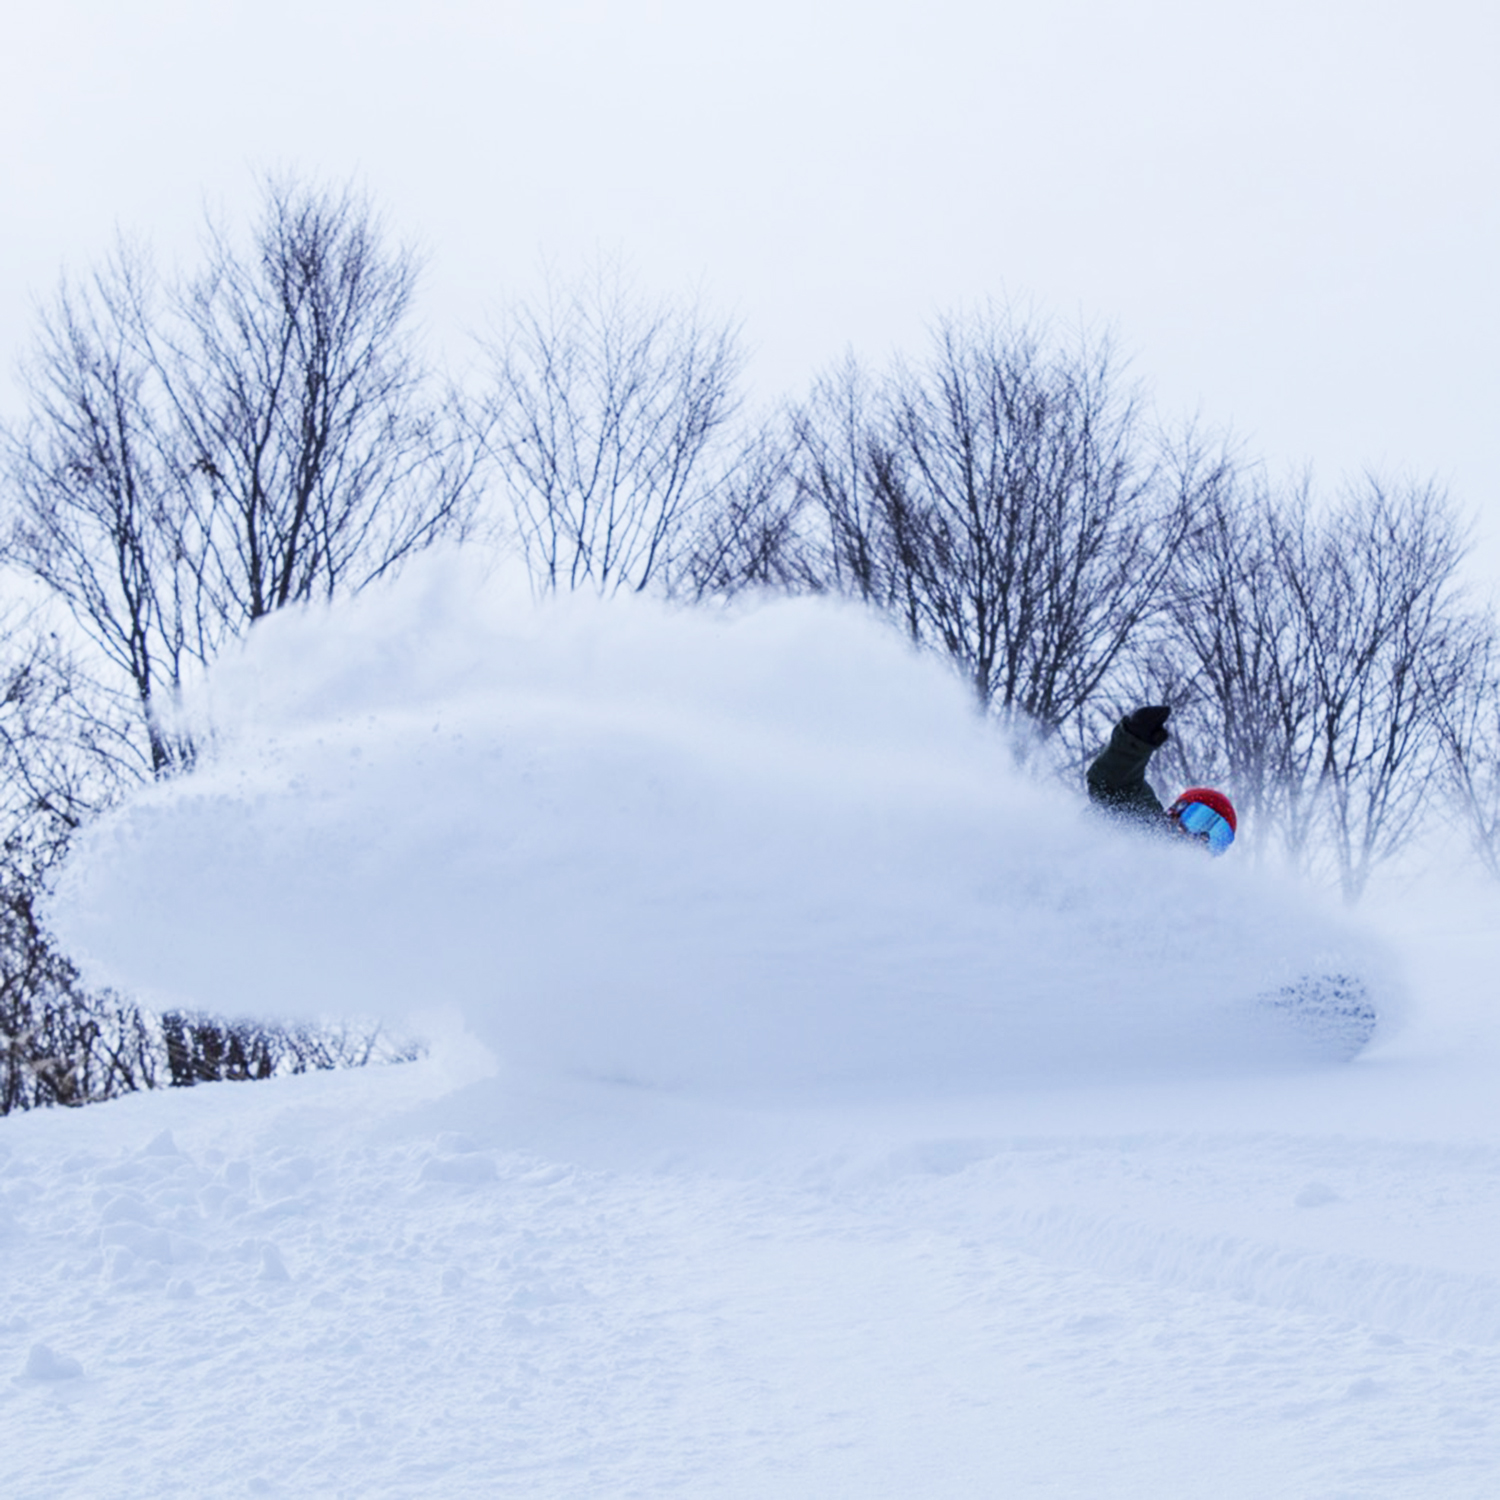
x=1009 y=504
x=198 y=450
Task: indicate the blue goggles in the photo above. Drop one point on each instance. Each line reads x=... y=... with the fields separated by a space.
x=1201 y=822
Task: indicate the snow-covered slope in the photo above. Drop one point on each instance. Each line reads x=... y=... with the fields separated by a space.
x=366 y=1285
x=817 y=1108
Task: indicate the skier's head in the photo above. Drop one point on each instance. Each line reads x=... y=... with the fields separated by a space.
x=1205 y=815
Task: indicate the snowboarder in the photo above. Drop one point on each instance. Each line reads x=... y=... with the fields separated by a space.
x=1117 y=782
x=1332 y=1011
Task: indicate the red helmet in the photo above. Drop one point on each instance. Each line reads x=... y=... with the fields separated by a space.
x=1209 y=798
x=1206 y=815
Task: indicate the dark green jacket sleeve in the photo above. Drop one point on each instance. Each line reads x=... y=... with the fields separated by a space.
x=1117 y=777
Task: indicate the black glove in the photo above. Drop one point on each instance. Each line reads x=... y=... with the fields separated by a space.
x=1149 y=724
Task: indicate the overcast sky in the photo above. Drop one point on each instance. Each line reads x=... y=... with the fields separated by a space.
x=1290 y=212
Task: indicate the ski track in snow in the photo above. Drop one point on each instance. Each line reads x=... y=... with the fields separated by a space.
x=303 y=1289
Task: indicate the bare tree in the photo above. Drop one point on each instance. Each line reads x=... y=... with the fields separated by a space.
x=61 y=1044
x=253 y=436
x=1322 y=657
x=61 y=759
x=601 y=423
x=757 y=531
x=832 y=433
x=1390 y=643
x=1003 y=505
x=1232 y=656
x=1470 y=721
x=315 y=462
x=59 y=764
x=96 y=503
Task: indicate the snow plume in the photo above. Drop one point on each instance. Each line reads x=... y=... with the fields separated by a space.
x=763 y=849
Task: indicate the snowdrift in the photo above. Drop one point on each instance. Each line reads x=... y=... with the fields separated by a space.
x=768 y=848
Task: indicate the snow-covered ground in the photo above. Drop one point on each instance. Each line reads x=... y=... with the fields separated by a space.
x=816 y=1107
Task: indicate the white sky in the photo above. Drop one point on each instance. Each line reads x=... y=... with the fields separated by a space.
x=1289 y=212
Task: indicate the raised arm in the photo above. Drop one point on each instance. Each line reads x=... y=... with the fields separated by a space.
x=1117 y=776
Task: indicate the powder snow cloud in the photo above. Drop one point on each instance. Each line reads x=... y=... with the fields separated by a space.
x=762 y=847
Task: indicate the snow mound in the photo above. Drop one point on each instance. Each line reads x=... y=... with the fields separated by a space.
x=763 y=848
